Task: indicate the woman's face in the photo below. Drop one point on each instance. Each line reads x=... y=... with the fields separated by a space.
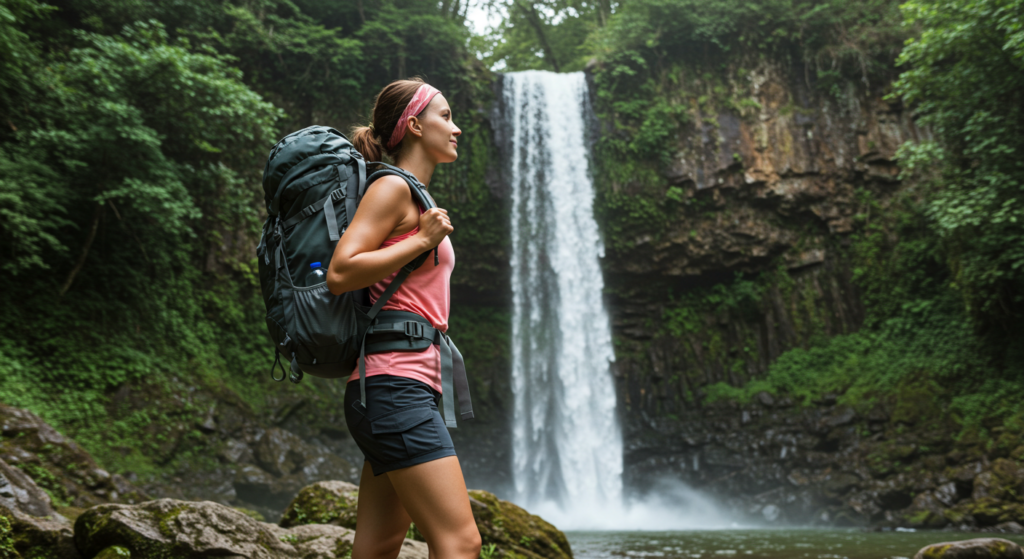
x=439 y=133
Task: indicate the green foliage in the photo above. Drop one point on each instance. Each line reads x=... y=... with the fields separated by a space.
x=132 y=139
x=489 y=551
x=916 y=334
x=7 y=550
x=965 y=77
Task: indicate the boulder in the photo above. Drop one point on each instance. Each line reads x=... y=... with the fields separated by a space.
x=324 y=502
x=512 y=530
x=58 y=464
x=503 y=525
x=114 y=552
x=981 y=548
x=182 y=529
x=926 y=511
x=30 y=527
x=286 y=465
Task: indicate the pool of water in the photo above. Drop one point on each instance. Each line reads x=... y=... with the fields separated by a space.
x=762 y=544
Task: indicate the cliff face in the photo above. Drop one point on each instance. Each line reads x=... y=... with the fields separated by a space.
x=762 y=200
x=768 y=194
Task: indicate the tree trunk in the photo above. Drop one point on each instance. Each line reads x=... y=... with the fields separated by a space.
x=538 y=26
x=97 y=214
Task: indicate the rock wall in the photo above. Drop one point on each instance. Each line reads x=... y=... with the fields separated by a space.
x=764 y=197
x=895 y=464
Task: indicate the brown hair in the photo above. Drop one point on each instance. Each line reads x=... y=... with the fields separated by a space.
x=372 y=141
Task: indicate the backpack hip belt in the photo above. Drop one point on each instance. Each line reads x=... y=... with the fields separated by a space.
x=407 y=331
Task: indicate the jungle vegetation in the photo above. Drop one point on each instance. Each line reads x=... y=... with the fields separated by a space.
x=133 y=132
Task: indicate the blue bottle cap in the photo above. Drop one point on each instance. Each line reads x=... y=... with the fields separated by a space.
x=314 y=265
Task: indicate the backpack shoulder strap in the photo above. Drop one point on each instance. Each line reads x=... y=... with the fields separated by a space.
x=419 y=192
x=420 y=196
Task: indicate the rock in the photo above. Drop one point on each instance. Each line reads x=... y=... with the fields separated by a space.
x=989 y=511
x=114 y=552
x=1008 y=528
x=765 y=399
x=280 y=452
x=32 y=524
x=18 y=492
x=58 y=464
x=324 y=502
x=946 y=494
x=288 y=464
x=926 y=511
x=502 y=524
x=981 y=548
x=254 y=485
x=510 y=529
x=170 y=528
x=771 y=513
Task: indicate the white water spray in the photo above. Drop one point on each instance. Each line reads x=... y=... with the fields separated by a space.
x=567 y=445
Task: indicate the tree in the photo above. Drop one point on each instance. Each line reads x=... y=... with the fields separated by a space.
x=964 y=76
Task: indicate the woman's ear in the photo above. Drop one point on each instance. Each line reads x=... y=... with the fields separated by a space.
x=413 y=124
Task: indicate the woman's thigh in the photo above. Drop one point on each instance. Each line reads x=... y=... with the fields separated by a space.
x=434 y=496
x=381 y=520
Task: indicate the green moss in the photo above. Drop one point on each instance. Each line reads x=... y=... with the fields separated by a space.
x=114 y=552
x=515 y=532
x=316 y=504
x=251 y=513
x=343 y=550
x=165 y=522
x=7 y=550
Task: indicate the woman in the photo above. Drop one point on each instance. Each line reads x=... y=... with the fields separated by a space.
x=411 y=476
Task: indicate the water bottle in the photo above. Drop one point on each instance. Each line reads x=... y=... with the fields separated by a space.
x=316 y=275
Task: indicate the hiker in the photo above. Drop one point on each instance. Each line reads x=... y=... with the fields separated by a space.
x=411 y=472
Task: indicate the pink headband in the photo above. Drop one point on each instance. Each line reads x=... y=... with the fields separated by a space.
x=419 y=101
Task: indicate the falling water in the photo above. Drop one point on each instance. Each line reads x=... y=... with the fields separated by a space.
x=567 y=445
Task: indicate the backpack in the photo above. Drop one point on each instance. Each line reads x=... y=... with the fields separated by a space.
x=313 y=182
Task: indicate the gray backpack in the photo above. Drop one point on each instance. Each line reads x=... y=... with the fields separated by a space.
x=313 y=182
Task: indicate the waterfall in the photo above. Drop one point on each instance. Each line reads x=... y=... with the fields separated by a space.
x=566 y=440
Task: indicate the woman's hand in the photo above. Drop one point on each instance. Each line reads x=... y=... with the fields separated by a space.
x=434 y=226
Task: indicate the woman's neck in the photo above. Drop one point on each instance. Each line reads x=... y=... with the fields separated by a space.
x=419 y=165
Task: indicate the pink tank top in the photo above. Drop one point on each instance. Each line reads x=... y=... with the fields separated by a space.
x=425 y=292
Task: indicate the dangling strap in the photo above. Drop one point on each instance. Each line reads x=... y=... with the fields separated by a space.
x=453 y=373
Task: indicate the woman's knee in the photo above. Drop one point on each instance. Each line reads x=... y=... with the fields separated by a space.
x=462 y=543
x=469 y=541
x=474 y=542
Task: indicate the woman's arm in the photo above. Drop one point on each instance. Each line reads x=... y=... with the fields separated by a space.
x=359 y=261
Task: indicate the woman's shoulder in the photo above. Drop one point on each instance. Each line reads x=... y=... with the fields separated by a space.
x=389 y=189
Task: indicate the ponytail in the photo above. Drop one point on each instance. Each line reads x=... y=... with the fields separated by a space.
x=371 y=140
x=367 y=143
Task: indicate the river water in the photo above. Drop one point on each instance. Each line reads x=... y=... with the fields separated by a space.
x=762 y=544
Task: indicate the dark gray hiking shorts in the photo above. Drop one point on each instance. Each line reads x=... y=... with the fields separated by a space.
x=401 y=425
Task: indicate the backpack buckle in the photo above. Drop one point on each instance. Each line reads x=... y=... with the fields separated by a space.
x=414 y=329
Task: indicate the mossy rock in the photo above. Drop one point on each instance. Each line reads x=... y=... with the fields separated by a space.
x=255 y=515
x=324 y=502
x=169 y=529
x=1010 y=477
x=989 y=511
x=34 y=537
x=515 y=532
x=980 y=548
x=114 y=552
